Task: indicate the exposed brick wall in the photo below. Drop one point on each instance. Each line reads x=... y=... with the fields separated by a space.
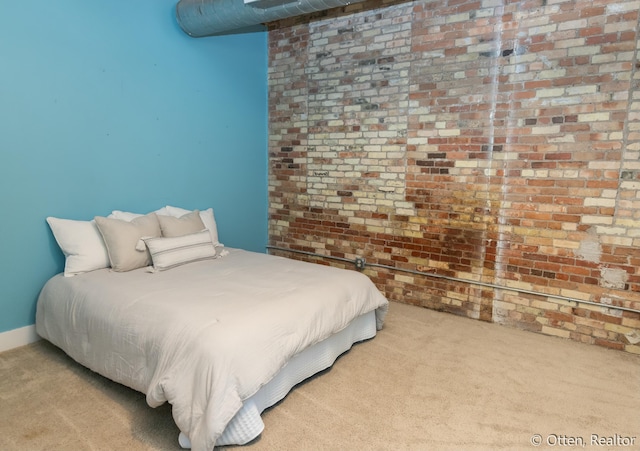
x=495 y=142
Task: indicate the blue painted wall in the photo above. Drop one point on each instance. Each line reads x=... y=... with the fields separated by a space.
x=108 y=105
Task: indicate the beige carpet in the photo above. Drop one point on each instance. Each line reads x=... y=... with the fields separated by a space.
x=428 y=381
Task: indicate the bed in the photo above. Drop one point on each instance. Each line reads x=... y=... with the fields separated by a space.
x=220 y=338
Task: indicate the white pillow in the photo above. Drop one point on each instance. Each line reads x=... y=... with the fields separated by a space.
x=81 y=243
x=207 y=217
x=128 y=216
x=167 y=253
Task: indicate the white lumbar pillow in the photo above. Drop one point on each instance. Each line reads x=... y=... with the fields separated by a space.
x=167 y=253
x=81 y=243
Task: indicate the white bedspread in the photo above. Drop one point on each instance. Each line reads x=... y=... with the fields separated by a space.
x=204 y=336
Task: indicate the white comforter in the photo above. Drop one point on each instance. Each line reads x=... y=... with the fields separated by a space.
x=204 y=336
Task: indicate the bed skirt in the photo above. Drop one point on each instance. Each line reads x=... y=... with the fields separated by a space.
x=247 y=424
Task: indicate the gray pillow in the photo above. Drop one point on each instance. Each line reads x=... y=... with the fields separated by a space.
x=122 y=237
x=184 y=225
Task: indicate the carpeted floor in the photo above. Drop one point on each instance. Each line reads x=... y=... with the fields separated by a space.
x=428 y=381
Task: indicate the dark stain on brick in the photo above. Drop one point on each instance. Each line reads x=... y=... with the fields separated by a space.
x=366 y=62
x=371 y=106
x=345 y=193
x=507 y=52
x=345 y=30
x=557 y=119
x=436 y=155
x=531 y=121
x=286 y=149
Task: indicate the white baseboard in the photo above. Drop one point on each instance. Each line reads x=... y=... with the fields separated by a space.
x=18 y=337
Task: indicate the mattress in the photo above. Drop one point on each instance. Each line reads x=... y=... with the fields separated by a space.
x=212 y=337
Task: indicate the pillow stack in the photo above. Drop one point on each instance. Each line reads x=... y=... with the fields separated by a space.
x=125 y=241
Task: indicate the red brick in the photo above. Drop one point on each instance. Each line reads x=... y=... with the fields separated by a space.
x=473 y=212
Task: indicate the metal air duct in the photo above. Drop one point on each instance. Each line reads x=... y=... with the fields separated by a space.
x=200 y=18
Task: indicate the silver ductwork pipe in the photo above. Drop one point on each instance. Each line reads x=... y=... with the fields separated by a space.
x=199 y=18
